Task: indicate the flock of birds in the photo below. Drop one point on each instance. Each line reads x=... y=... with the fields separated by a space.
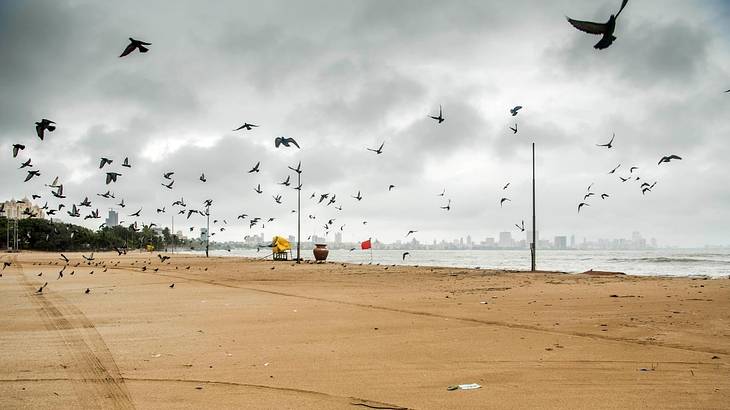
x=112 y=174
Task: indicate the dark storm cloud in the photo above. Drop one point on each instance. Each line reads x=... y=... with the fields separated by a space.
x=343 y=76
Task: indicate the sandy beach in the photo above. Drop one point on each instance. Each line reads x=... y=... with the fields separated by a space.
x=237 y=333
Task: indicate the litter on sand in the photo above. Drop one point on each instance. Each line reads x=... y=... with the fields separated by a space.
x=470 y=386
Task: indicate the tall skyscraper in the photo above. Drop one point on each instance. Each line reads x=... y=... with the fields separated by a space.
x=505 y=240
x=113 y=218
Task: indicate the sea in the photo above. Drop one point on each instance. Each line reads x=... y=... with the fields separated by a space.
x=713 y=263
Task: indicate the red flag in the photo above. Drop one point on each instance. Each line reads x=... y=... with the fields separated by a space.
x=366 y=245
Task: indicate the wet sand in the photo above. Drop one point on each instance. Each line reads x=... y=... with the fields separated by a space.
x=236 y=333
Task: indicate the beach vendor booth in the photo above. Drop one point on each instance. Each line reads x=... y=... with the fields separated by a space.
x=280 y=248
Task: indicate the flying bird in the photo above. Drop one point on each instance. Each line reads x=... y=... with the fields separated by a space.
x=379 y=150
x=405 y=254
x=604 y=196
x=608 y=145
x=126 y=162
x=390 y=187
x=285 y=142
x=588 y=195
x=135 y=44
x=202 y=177
x=168 y=175
x=514 y=130
x=298 y=169
x=16 y=148
x=31 y=174
x=112 y=177
x=25 y=164
x=246 y=126
x=448 y=206
x=104 y=161
x=258 y=189
x=440 y=117
x=410 y=232
x=521 y=227
x=277 y=199
x=168 y=186
x=582 y=204
x=503 y=200
x=603 y=29
x=614 y=170
x=255 y=168
x=42 y=126
x=514 y=110
x=358 y=196
x=663 y=159
x=442 y=192
x=136 y=213
x=505 y=187
x=286 y=181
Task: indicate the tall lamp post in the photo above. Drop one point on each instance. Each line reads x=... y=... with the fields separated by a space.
x=533 y=245
x=207 y=230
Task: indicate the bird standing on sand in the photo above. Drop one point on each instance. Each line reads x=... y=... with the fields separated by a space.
x=604 y=29
x=135 y=44
x=42 y=126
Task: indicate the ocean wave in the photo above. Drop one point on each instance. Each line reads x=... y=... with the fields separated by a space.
x=663 y=259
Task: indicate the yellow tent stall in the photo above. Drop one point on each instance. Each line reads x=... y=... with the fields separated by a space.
x=279 y=248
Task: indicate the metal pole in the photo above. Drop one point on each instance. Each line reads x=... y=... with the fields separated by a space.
x=173 y=233
x=16 y=234
x=207 y=230
x=533 y=247
x=299 y=216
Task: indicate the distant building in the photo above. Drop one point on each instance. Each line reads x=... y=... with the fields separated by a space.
x=490 y=243
x=17 y=209
x=561 y=242
x=112 y=219
x=505 y=240
x=528 y=237
x=572 y=241
x=338 y=238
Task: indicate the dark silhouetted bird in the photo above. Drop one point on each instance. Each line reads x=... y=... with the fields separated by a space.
x=246 y=126
x=285 y=141
x=609 y=144
x=440 y=117
x=42 y=126
x=410 y=232
x=405 y=254
x=31 y=174
x=514 y=130
x=663 y=159
x=603 y=29
x=286 y=181
x=614 y=170
x=514 y=110
x=16 y=148
x=503 y=200
x=277 y=199
x=588 y=195
x=377 y=151
x=521 y=227
x=581 y=205
x=40 y=290
x=25 y=164
x=112 y=177
x=448 y=206
x=104 y=161
x=168 y=175
x=172 y=286
x=135 y=44
x=258 y=189
x=255 y=168
x=505 y=187
x=202 y=177
x=168 y=186
x=604 y=196
x=631 y=170
x=126 y=162
x=87 y=290
x=390 y=187
x=136 y=213
x=298 y=169
x=358 y=196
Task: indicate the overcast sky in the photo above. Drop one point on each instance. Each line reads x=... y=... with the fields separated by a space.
x=342 y=76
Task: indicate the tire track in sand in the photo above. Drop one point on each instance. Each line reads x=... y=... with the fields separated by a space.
x=100 y=383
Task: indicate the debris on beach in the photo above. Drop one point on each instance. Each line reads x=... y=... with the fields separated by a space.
x=469 y=386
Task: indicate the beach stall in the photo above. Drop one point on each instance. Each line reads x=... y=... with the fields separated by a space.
x=280 y=248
